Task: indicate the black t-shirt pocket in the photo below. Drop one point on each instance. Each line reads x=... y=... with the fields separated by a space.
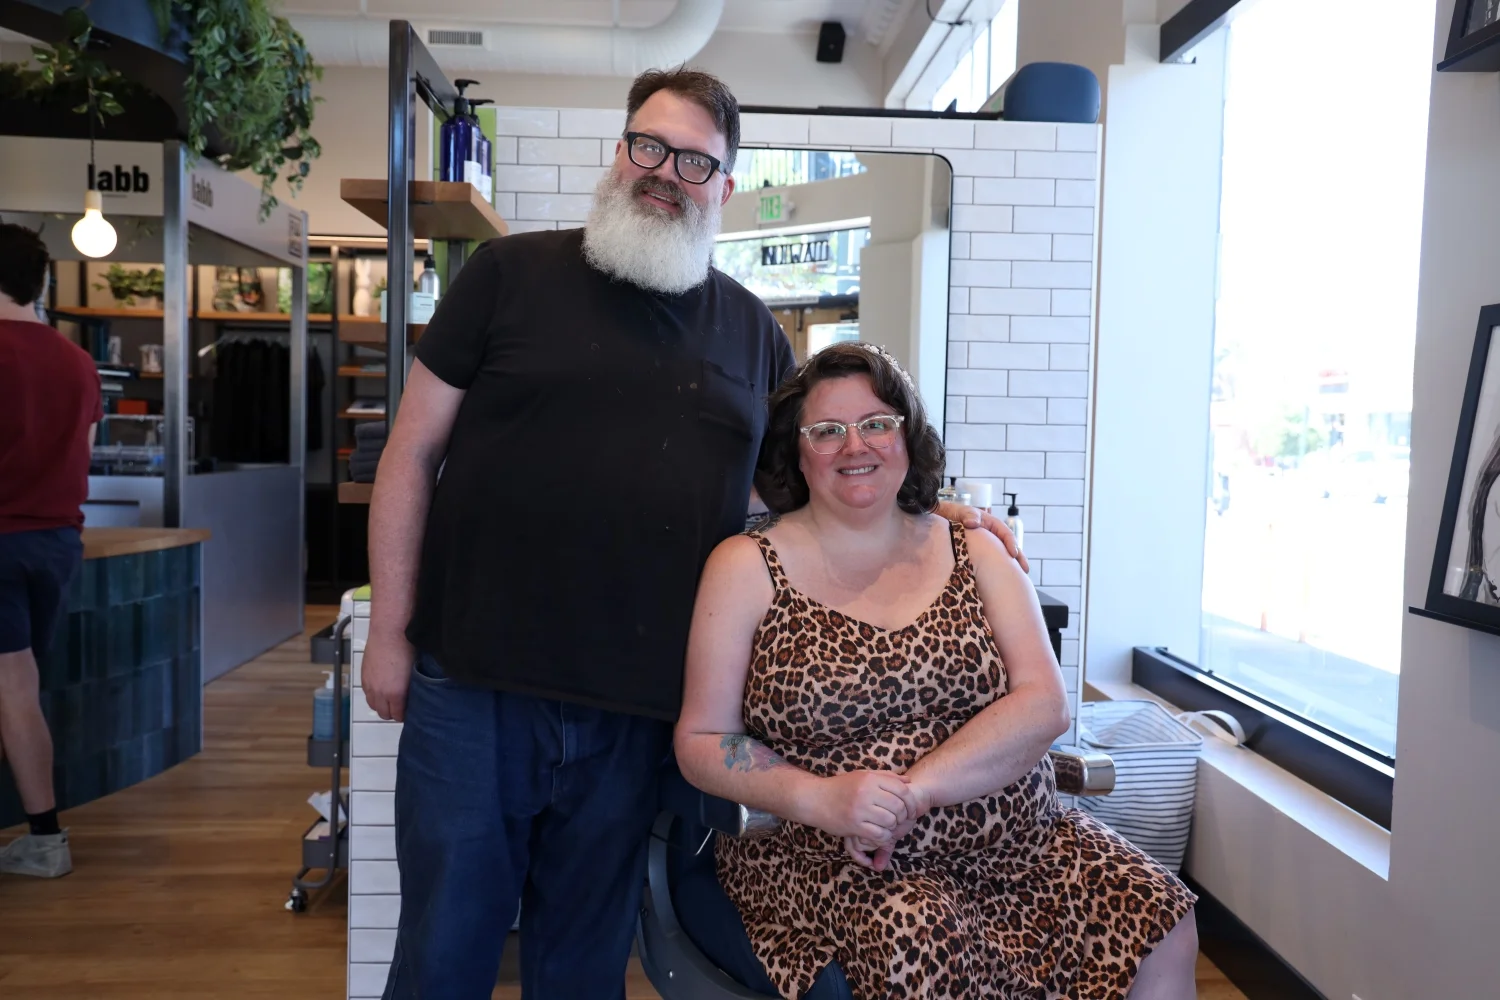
x=726 y=401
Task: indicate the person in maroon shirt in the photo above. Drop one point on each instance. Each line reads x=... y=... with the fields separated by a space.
x=50 y=403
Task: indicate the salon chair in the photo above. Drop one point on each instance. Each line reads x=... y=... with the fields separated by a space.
x=691 y=941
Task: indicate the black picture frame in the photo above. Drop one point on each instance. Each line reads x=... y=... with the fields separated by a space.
x=1467 y=574
x=1472 y=51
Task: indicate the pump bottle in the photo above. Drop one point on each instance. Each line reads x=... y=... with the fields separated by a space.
x=427 y=281
x=1013 y=521
x=459 y=142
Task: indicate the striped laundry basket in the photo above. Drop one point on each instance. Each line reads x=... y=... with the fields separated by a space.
x=1156 y=775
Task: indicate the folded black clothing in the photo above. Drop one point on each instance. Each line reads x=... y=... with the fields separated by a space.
x=363 y=471
x=367 y=450
x=370 y=430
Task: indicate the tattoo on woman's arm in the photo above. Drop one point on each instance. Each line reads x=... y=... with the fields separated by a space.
x=745 y=754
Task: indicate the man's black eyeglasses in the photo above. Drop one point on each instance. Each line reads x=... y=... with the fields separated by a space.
x=648 y=152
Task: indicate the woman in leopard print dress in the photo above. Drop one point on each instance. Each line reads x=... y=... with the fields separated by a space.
x=902 y=738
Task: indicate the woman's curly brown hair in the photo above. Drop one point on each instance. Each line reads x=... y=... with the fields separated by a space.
x=778 y=473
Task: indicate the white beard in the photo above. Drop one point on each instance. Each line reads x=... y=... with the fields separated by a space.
x=648 y=247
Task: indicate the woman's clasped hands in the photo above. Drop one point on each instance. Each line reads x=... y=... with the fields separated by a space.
x=872 y=811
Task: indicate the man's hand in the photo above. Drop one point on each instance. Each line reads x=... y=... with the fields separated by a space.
x=973 y=517
x=385 y=672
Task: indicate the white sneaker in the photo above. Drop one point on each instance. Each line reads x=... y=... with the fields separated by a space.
x=40 y=856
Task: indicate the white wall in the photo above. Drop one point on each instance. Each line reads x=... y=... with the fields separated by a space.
x=1155 y=352
x=351 y=125
x=1445 y=855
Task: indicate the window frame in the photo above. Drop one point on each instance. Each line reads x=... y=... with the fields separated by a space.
x=1360 y=778
x=961 y=40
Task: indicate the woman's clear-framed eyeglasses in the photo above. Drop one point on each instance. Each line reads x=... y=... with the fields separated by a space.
x=648 y=152
x=827 y=436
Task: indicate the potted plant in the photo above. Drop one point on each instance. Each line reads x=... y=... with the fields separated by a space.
x=134 y=288
x=250 y=78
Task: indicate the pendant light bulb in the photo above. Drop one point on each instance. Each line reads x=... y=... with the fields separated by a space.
x=93 y=236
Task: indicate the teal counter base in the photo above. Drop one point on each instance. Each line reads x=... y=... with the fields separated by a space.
x=122 y=685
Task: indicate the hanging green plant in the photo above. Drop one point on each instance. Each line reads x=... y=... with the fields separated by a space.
x=69 y=68
x=250 y=78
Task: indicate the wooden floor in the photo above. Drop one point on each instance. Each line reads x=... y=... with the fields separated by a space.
x=178 y=883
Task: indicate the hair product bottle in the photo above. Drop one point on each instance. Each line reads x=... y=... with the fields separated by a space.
x=427 y=281
x=1013 y=521
x=484 y=152
x=460 y=149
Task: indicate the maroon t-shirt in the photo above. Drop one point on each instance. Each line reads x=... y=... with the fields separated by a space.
x=49 y=395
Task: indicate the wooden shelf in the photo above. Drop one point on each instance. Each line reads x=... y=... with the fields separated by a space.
x=106 y=543
x=355 y=492
x=355 y=371
x=91 y=312
x=369 y=331
x=440 y=210
x=259 y=317
x=346 y=415
x=345 y=452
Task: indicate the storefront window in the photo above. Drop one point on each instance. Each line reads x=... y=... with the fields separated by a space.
x=1320 y=227
x=792 y=268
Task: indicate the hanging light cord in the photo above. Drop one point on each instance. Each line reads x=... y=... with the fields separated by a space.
x=92 y=167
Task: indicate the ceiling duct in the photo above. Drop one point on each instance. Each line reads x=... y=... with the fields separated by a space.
x=524 y=48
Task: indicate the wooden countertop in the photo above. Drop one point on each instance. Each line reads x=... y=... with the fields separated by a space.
x=104 y=543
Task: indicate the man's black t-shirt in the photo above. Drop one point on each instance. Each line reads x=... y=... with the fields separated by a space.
x=604 y=446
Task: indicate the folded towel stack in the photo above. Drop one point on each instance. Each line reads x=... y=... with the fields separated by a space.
x=369 y=442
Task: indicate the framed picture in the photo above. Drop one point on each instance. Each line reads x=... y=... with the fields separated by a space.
x=1464 y=588
x=1472 y=37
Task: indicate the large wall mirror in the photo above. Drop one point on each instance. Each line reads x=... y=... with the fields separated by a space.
x=847 y=246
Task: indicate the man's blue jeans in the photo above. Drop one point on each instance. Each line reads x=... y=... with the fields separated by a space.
x=504 y=799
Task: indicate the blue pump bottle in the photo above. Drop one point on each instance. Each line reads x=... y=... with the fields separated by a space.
x=457 y=140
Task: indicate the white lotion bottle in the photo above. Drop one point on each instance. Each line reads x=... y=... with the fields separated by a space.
x=1013 y=522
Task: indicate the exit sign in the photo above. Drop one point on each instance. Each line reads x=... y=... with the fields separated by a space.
x=772 y=208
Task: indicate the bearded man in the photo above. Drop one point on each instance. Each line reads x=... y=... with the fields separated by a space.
x=579 y=430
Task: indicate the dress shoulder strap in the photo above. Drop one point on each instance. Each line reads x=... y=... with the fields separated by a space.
x=768 y=553
x=958 y=536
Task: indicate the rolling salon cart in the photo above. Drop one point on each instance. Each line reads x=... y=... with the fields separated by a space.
x=325 y=844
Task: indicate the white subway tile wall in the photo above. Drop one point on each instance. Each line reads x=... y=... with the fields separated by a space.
x=1020 y=357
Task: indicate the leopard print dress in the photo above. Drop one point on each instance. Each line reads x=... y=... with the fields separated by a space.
x=1008 y=896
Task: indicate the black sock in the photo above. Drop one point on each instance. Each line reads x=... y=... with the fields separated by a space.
x=43 y=823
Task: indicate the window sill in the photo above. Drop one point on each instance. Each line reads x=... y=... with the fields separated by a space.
x=1360 y=839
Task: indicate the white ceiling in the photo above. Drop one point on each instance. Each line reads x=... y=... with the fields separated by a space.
x=866 y=19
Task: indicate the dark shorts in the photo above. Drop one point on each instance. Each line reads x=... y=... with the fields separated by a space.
x=35 y=570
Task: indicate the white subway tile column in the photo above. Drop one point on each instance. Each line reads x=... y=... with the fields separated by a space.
x=1020 y=365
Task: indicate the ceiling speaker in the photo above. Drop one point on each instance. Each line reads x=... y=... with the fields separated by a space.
x=831 y=42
